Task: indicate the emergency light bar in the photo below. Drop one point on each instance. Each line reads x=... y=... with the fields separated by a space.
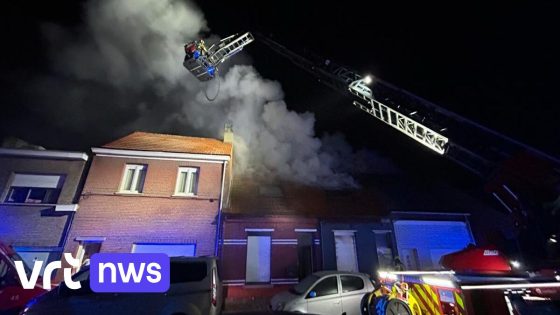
x=511 y=286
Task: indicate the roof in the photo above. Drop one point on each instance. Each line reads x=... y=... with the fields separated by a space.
x=145 y=141
x=252 y=197
x=324 y=273
x=377 y=197
x=47 y=154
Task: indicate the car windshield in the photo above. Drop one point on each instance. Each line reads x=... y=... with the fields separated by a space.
x=304 y=284
x=15 y=257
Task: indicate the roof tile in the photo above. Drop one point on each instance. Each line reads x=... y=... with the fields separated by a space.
x=145 y=141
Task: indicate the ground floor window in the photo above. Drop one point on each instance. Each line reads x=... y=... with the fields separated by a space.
x=171 y=249
x=87 y=246
x=31 y=254
x=258 y=258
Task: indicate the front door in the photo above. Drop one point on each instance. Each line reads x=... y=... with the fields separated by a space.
x=324 y=297
x=305 y=254
x=345 y=246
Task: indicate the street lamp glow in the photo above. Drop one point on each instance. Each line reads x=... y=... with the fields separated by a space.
x=367 y=79
x=552 y=240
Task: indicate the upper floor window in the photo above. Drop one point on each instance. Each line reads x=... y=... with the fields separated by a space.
x=34 y=188
x=133 y=179
x=187 y=181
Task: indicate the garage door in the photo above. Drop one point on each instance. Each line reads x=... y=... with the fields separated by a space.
x=171 y=250
x=422 y=243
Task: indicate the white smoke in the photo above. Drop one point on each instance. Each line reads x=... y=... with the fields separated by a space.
x=123 y=72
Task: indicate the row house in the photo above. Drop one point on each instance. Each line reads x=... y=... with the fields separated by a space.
x=149 y=192
x=39 y=190
x=276 y=233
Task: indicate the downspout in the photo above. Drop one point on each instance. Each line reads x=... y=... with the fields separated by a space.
x=219 y=221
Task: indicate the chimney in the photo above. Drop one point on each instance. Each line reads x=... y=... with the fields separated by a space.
x=228 y=133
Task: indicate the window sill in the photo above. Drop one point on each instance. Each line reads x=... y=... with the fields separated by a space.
x=184 y=196
x=128 y=193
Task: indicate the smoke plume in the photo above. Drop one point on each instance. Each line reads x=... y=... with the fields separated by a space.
x=122 y=71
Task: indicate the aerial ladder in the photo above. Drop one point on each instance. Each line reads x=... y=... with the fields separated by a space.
x=523 y=180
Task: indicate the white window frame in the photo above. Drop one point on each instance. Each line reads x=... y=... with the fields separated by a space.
x=137 y=168
x=191 y=171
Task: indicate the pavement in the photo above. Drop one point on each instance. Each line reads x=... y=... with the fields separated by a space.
x=250 y=298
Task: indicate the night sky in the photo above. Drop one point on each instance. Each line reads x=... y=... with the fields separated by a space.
x=497 y=65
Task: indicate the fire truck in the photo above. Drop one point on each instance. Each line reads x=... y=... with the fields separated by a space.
x=475 y=281
x=13 y=296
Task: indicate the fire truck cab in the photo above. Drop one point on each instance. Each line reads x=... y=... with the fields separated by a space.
x=13 y=296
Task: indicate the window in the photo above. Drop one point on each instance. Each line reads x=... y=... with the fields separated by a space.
x=172 y=250
x=327 y=286
x=133 y=179
x=86 y=249
x=31 y=188
x=351 y=283
x=187 y=181
x=257 y=269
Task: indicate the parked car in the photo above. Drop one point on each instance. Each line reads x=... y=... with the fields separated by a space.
x=195 y=289
x=13 y=296
x=326 y=293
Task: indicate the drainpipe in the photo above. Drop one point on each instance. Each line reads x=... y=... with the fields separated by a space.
x=219 y=221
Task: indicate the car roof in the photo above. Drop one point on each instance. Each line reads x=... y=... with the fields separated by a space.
x=336 y=272
x=188 y=258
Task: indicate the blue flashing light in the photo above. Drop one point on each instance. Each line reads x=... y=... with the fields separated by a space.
x=211 y=71
x=196 y=54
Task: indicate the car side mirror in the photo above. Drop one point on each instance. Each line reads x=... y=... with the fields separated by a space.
x=312 y=294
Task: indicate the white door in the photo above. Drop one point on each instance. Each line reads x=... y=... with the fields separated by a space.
x=258 y=259
x=324 y=298
x=172 y=250
x=345 y=246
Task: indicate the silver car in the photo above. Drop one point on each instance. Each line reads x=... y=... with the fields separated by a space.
x=326 y=293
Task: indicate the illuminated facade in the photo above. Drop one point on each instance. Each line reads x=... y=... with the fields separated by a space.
x=38 y=198
x=152 y=192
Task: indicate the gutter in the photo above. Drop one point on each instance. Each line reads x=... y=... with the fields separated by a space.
x=219 y=221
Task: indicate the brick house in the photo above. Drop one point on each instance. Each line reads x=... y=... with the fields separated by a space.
x=39 y=190
x=278 y=232
x=275 y=233
x=150 y=192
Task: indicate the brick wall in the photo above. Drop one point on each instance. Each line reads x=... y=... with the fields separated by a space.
x=153 y=216
x=283 y=261
x=31 y=225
